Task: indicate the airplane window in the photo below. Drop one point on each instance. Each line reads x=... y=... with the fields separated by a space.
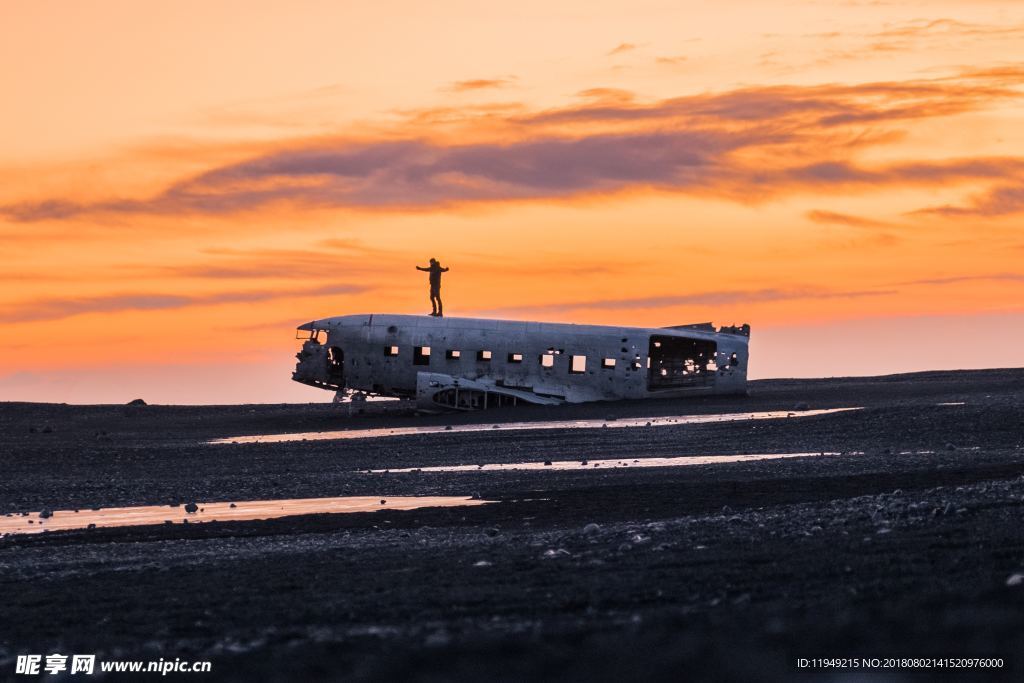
x=608 y=363
x=390 y=350
x=547 y=360
x=515 y=358
x=578 y=365
x=483 y=355
x=452 y=354
x=421 y=355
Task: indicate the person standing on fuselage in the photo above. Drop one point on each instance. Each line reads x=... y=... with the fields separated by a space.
x=435 y=271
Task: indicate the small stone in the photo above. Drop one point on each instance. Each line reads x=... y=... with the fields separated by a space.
x=481 y=563
x=447 y=428
x=547 y=463
x=1015 y=580
x=591 y=529
x=492 y=531
x=232 y=506
x=383 y=501
x=46 y=514
x=191 y=508
x=91 y=526
x=476 y=496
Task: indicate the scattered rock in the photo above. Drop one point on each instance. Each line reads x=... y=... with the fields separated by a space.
x=552 y=553
x=91 y=526
x=591 y=529
x=136 y=402
x=476 y=496
x=547 y=463
x=46 y=514
x=191 y=508
x=1015 y=580
x=232 y=506
x=492 y=531
x=447 y=428
x=383 y=501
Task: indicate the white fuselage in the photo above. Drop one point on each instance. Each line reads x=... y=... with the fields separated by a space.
x=416 y=356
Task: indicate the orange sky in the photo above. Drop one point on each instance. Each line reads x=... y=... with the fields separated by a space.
x=182 y=183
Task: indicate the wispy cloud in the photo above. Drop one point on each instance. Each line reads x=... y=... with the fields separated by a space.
x=58 y=308
x=621 y=48
x=708 y=298
x=481 y=84
x=747 y=145
x=999 y=201
x=820 y=216
x=957 y=279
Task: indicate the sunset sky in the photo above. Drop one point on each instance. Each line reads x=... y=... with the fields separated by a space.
x=182 y=183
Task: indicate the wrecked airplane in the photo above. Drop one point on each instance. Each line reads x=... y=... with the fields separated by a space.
x=476 y=363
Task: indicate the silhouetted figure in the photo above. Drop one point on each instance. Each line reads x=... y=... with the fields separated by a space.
x=435 y=271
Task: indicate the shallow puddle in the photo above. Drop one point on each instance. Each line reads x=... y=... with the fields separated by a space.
x=610 y=463
x=625 y=422
x=222 y=512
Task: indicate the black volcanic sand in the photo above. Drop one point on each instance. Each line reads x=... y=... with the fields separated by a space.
x=729 y=571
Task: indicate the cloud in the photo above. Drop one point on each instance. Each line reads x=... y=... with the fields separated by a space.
x=748 y=144
x=709 y=298
x=956 y=279
x=621 y=48
x=607 y=95
x=480 y=84
x=1000 y=201
x=58 y=308
x=819 y=216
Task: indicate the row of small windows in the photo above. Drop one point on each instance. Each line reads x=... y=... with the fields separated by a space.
x=577 y=363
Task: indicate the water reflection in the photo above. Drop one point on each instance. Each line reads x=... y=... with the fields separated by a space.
x=609 y=463
x=620 y=423
x=61 y=520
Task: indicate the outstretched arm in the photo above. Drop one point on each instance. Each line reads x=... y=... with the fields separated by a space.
x=444 y=270
x=423 y=269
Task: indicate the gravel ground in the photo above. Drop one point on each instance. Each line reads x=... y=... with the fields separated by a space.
x=906 y=544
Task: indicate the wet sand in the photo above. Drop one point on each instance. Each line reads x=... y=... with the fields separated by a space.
x=902 y=540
